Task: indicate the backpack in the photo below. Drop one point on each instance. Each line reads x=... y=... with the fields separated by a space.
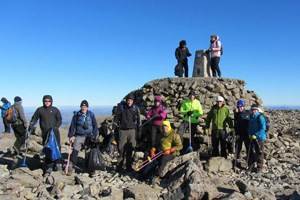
x=83 y=121
x=51 y=149
x=11 y=115
x=267 y=121
x=221 y=50
x=178 y=71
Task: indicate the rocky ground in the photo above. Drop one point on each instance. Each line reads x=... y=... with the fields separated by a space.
x=186 y=177
x=190 y=176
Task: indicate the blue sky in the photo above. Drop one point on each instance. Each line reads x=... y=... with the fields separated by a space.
x=100 y=50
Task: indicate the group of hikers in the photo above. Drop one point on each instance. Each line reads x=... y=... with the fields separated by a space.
x=215 y=51
x=163 y=143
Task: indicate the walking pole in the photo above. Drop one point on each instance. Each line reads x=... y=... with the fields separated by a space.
x=190 y=148
x=235 y=161
x=148 y=161
x=248 y=154
x=23 y=163
x=69 y=156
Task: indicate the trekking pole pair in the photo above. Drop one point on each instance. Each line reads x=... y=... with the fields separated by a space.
x=149 y=160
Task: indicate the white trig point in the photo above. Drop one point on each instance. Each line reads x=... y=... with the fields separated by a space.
x=202 y=64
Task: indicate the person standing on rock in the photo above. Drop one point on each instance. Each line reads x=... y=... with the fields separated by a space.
x=5 y=106
x=49 y=118
x=128 y=119
x=83 y=127
x=258 y=136
x=219 y=116
x=157 y=114
x=191 y=110
x=215 y=51
x=19 y=126
x=182 y=53
x=241 y=121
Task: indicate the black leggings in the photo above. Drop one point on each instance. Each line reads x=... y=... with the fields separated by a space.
x=214 y=63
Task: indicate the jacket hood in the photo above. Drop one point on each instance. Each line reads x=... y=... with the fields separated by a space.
x=47 y=97
x=167 y=124
x=4 y=100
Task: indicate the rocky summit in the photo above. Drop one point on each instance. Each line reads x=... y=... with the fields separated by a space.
x=189 y=176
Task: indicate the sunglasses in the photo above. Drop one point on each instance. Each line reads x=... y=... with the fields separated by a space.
x=47 y=101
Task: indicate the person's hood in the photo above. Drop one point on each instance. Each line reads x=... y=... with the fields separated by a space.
x=4 y=100
x=158 y=99
x=167 y=124
x=47 y=97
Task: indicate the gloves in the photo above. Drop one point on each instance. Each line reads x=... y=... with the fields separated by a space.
x=252 y=137
x=156 y=116
x=167 y=152
x=152 y=152
x=189 y=113
x=172 y=150
x=72 y=139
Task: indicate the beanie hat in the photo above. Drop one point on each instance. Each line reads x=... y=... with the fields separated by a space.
x=17 y=99
x=84 y=103
x=240 y=103
x=157 y=98
x=254 y=107
x=130 y=96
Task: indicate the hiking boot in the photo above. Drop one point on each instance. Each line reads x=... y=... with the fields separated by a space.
x=57 y=167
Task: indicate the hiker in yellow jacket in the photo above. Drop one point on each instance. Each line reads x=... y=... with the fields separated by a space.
x=191 y=110
x=170 y=145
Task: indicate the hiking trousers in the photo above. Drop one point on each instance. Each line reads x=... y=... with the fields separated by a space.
x=256 y=153
x=20 y=134
x=214 y=63
x=218 y=138
x=6 y=126
x=156 y=135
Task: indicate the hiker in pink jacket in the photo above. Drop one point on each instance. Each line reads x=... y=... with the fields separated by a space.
x=157 y=114
x=216 y=51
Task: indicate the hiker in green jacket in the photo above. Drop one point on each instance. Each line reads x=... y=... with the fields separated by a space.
x=191 y=109
x=220 y=117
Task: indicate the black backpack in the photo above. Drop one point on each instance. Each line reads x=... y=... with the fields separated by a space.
x=178 y=71
x=95 y=160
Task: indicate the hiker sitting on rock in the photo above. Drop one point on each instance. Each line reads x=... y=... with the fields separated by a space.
x=128 y=120
x=182 y=53
x=83 y=127
x=157 y=114
x=257 y=135
x=192 y=111
x=170 y=147
x=19 y=124
x=5 y=106
x=241 y=121
x=220 y=117
x=50 y=119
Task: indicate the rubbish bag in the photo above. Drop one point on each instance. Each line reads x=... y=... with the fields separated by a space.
x=95 y=159
x=51 y=149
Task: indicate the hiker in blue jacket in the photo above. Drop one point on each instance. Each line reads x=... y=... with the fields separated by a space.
x=6 y=105
x=83 y=127
x=257 y=134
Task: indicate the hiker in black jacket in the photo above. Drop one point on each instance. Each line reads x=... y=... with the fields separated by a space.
x=241 y=121
x=49 y=118
x=128 y=119
x=182 y=53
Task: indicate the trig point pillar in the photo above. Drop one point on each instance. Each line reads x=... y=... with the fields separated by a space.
x=201 y=64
